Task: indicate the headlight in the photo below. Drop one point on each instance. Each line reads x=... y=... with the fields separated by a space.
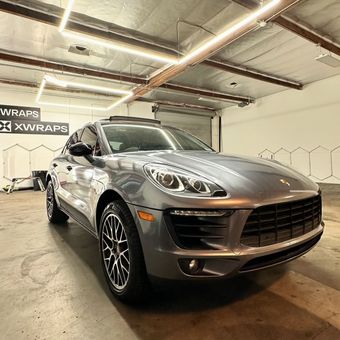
x=179 y=181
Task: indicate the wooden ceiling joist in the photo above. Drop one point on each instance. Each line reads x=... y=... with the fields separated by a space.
x=112 y=76
x=298 y=28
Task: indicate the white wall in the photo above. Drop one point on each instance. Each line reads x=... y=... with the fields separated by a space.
x=291 y=119
x=18 y=162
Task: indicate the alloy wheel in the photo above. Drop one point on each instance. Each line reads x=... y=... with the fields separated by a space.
x=49 y=200
x=115 y=251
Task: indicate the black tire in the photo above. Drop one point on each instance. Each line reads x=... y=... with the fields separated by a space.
x=54 y=214
x=136 y=285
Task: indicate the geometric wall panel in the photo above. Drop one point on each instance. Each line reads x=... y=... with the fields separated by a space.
x=300 y=161
x=319 y=163
x=335 y=154
x=41 y=157
x=283 y=156
x=19 y=161
x=266 y=153
x=16 y=161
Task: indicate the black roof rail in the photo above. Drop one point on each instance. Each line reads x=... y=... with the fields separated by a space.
x=133 y=119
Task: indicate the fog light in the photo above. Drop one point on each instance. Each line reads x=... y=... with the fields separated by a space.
x=193 y=265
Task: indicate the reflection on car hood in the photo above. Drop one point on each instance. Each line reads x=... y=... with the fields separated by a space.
x=233 y=173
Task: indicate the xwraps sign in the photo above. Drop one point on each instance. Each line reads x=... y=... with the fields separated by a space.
x=26 y=120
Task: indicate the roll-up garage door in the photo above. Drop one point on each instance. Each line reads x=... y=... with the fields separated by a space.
x=198 y=125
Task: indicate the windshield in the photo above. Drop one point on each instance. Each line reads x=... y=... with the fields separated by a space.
x=128 y=138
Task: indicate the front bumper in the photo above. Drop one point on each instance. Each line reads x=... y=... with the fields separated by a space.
x=163 y=256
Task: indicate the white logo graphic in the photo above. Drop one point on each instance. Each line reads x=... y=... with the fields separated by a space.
x=5 y=126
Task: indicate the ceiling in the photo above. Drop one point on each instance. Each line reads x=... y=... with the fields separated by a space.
x=270 y=49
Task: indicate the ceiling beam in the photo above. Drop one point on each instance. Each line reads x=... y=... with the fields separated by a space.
x=250 y=4
x=202 y=92
x=169 y=72
x=71 y=69
x=251 y=73
x=307 y=33
x=54 y=88
x=51 y=15
x=39 y=15
x=104 y=75
x=298 y=28
x=178 y=105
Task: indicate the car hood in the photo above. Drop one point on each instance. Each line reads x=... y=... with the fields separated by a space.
x=238 y=175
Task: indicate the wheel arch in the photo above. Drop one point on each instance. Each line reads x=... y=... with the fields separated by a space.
x=48 y=178
x=106 y=197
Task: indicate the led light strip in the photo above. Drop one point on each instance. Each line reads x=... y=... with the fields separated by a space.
x=86 y=107
x=70 y=84
x=141 y=52
x=120 y=47
x=159 y=56
x=200 y=213
x=66 y=15
x=229 y=31
x=111 y=45
x=63 y=83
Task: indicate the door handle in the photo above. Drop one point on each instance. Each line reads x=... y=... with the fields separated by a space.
x=54 y=165
x=69 y=168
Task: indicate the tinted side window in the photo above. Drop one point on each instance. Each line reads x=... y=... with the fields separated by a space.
x=89 y=136
x=74 y=138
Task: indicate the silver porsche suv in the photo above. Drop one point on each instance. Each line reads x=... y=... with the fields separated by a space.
x=163 y=204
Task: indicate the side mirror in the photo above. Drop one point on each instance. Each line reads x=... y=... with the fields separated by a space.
x=80 y=149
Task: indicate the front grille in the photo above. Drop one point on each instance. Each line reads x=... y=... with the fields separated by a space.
x=198 y=232
x=281 y=222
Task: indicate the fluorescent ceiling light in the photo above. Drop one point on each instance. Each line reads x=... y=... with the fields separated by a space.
x=69 y=84
x=229 y=31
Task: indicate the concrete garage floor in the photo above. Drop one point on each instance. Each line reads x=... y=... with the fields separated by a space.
x=52 y=287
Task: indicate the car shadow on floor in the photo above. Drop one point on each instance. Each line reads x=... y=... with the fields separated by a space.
x=169 y=296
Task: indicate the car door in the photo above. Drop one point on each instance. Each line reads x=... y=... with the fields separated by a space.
x=59 y=170
x=79 y=181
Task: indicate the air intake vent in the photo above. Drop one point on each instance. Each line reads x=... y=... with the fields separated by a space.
x=78 y=49
x=328 y=60
x=198 y=229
